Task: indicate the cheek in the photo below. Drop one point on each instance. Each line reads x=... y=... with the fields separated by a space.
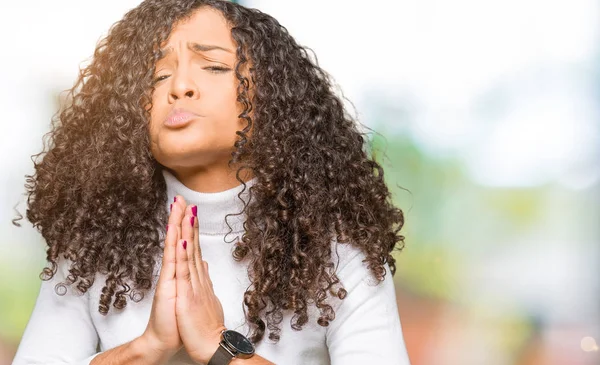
x=157 y=113
x=227 y=107
x=152 y=124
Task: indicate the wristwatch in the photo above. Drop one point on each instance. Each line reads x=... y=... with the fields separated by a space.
x=233 y=344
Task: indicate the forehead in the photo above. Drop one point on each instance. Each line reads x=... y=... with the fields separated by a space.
x=206 y=26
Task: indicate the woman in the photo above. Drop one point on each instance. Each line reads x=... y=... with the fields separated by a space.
x=203 y=125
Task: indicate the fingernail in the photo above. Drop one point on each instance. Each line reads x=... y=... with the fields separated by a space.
x=175 y=199
x=192 y=221
x=171 y=207
x=167 y=228
x=195 y=211
x=185 y=245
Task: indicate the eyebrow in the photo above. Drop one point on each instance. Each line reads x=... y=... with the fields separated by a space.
x=195 y=47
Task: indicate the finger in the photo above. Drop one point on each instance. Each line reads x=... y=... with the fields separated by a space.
x=200 y=263
x=176 y=214
x=182 y=271
x=206 y=276
x=169 y=256
x=197 y=247
x=198 y=251
x=187 y=229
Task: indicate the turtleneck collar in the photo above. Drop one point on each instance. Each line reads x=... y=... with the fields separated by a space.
x=212 y=207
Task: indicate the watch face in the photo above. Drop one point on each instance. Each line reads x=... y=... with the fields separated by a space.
x=238 y=342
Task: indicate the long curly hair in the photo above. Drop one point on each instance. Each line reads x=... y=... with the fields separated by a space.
x=98 y=196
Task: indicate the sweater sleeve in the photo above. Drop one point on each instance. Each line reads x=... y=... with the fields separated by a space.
x=60 y=330
x=367 y=324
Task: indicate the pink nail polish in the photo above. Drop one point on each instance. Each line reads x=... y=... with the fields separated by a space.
x=171 y=207
x=175 y=199
x=185 y=245
x=195 y=211
x=167 y=228
x=192 y=221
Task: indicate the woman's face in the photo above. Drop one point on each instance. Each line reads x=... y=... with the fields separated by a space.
x=194 y=113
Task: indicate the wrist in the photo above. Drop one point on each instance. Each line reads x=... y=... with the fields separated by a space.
x=215 y=344
x=145 y=349
x=232 y=346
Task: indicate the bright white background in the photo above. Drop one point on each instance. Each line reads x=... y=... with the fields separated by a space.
x=509 y=88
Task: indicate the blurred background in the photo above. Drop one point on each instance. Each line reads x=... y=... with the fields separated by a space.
x=487 y=120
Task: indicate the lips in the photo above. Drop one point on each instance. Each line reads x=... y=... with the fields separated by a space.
x=179 y=117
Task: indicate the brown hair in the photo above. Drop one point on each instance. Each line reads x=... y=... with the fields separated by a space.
x=98 y=196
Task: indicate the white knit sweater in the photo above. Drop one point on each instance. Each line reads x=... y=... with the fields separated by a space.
x=68 y=329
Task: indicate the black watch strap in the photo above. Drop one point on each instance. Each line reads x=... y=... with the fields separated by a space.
x=220 y=357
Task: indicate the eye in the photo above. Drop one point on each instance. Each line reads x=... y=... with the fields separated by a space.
x=217 y=69
x=160 y=78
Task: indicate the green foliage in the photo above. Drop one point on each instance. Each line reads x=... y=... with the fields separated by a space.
x=19 y=288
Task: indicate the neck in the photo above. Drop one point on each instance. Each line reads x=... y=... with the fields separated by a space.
x=216 y=210
x=209 y=180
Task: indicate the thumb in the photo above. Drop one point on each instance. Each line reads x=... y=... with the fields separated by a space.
x=169 y=260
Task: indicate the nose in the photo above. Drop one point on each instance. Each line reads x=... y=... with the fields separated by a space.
x=183 y=86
